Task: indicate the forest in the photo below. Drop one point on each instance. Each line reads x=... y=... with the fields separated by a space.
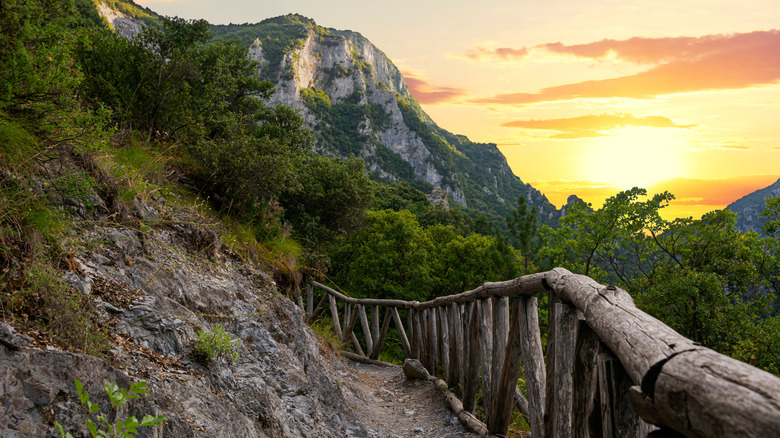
x=176 y=115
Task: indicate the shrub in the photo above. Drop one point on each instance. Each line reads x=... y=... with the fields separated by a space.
x=216 y=344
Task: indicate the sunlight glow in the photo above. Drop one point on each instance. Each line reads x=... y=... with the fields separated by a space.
x=636 y=157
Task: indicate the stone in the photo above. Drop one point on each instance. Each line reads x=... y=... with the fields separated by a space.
x=413 y=369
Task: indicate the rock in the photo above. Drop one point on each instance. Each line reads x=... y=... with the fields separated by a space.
x=413 y=369
x=11 y=339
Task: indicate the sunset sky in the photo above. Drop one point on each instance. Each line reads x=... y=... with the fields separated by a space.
x=584 y=98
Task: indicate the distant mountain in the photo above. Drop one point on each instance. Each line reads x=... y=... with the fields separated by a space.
x=357 y=103
x=750 y=207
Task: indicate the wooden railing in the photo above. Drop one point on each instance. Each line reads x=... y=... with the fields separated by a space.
x=610 y=370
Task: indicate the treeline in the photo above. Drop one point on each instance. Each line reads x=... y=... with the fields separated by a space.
x=704 y=278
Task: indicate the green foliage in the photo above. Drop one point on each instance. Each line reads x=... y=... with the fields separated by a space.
x=332 y=200
x=101 y=426
x=522 y=224
x=277 y=36
x=216 y=344
x=67 y=315
x=395 y=257
x=703 y=277
x=316 y=100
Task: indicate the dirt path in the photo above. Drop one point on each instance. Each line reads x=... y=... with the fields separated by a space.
x=391 y=406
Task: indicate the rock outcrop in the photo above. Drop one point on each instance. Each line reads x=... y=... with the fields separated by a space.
x=182 y=280
x=750 y=207
x=372 y=114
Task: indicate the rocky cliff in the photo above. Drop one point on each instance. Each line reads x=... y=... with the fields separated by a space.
x=357 y=102
x=157 y=272
x=750 y=207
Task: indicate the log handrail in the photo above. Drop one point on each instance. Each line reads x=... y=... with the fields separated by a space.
x=611 y=369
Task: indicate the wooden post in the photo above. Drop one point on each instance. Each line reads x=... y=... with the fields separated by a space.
x=472 y=368
x=498 y=420
x=522 y=405
x=347 y=309
x=366 y=328
x=485 y=314
x=452 y=374
x=500 y=338
x=420 y=334
x=445 y=341
x=619 y=418
x=334 y=312
x=456 y=344
x=425 y=339
x=309 y=300
x=533 y=364
x=356 y=344
x=550 y=360
x=382 y=335
x=318 y=308
x=414 y=343
x=375 y=323
x=351 y=321
x=401 y=332
x=434 y=347
x=566 y=323
x=586 y=408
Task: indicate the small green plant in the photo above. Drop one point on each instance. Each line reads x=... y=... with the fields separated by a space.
x=118 y=428
x=215 y=344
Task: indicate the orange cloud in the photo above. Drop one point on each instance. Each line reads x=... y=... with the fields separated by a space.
x=593 y=125
x=502 y=53
x=714 y=62
x=426 y=93
x=717 y=193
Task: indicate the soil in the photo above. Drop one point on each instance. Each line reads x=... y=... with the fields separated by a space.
x=391 y=406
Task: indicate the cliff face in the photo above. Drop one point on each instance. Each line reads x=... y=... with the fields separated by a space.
x=750 y=207
x=169 y=264
x=357 y=102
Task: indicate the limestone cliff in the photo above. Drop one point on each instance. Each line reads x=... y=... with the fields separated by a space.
x=357 y=102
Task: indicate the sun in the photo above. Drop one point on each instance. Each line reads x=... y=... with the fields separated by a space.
x=636 y=157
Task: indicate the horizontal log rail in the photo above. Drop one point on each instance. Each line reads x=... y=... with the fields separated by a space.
x=609 y=369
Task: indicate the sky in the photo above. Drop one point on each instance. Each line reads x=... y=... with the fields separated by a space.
x=585 y=98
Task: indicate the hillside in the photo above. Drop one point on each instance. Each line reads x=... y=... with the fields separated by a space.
x=356 y=101
x=749 y=207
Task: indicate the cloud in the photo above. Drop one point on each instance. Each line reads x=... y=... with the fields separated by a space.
x=593 y=125
x=716 y=192
x=684 y=64
x=501 y=53
x=426 y=93
x=728 y=146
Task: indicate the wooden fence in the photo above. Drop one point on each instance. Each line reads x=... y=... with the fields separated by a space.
x=610 y=370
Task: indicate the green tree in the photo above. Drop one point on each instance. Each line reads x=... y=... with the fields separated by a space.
x=389 y=258
x=330 y=200
x=522 y=224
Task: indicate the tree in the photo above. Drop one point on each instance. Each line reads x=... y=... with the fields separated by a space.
x=522 y=224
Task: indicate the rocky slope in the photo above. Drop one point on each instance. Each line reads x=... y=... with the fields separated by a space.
x=158 y=271
x=749 y=207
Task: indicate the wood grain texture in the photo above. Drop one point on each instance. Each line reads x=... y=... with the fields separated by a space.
x=485 y=315
x=533 y=364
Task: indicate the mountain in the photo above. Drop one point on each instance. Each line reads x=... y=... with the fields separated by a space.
x=357 y=103
x=749 y=207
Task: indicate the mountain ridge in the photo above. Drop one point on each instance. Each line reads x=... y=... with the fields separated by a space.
x=750 y=207
x=358 y=104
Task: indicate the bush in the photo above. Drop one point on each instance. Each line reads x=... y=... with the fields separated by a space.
x=216 y=344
